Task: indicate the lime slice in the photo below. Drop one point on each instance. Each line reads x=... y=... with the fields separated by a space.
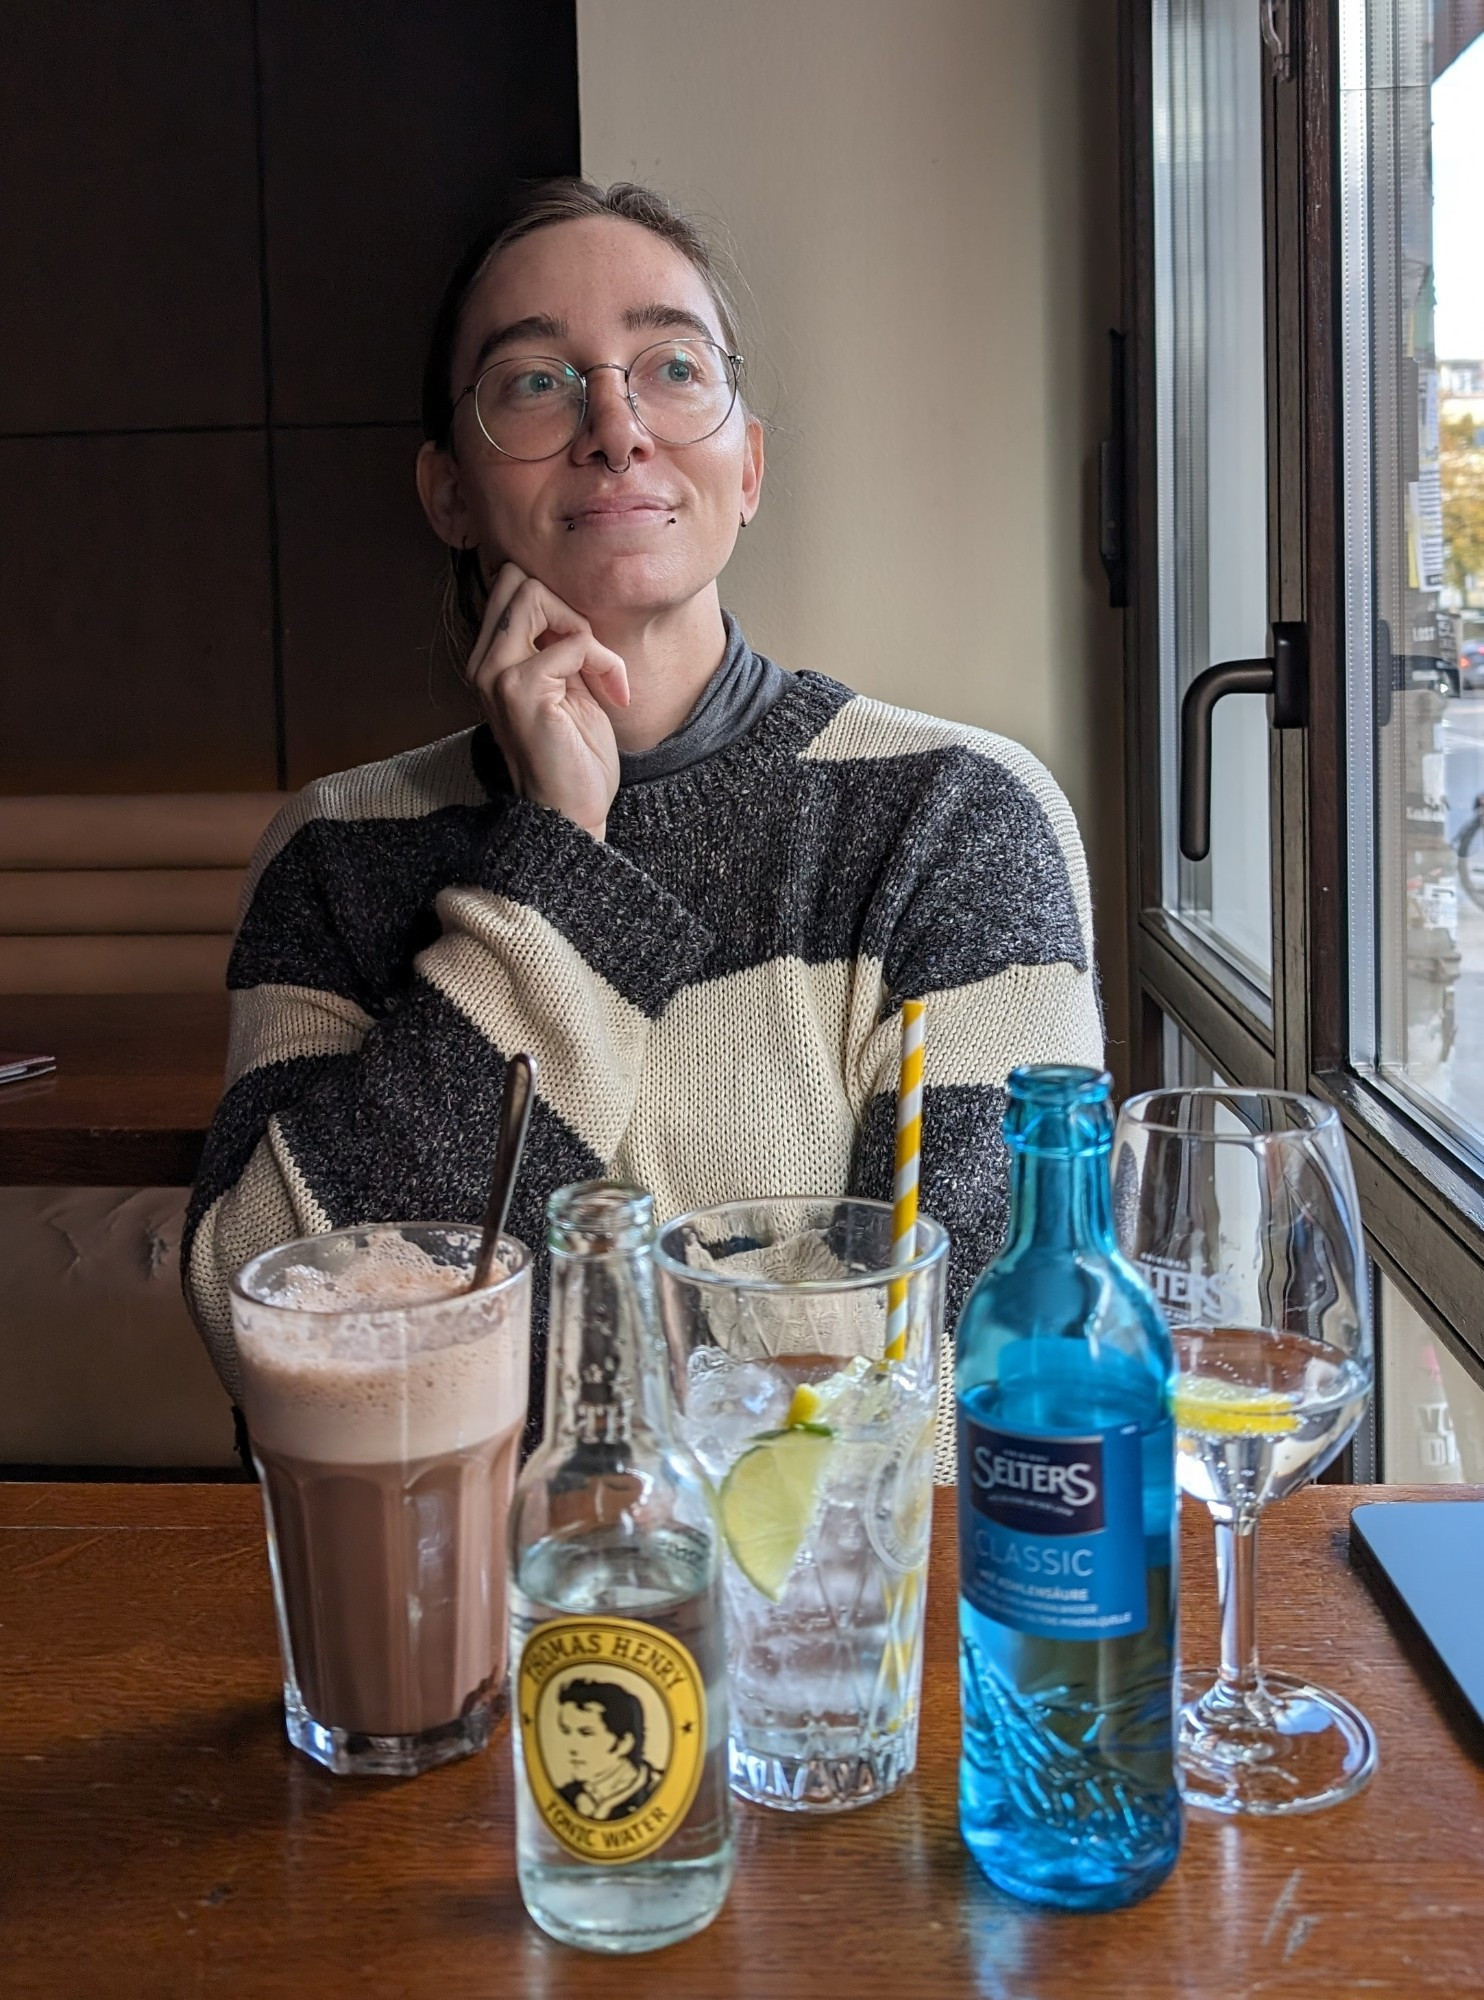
x=1213 y=1408
x=767 y=1505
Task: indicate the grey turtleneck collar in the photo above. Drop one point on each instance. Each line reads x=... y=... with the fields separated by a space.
x=737 y=696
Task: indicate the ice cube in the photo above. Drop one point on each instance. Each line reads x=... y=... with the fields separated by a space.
x=764 y=1393
x=727 y=1403
x=737 y=1391
x=705 y=1377
x=854 y=1396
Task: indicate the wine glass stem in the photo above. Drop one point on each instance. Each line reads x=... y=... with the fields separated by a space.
x=1236 y=1575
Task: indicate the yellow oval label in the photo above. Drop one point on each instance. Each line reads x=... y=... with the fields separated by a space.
x=613 y=1731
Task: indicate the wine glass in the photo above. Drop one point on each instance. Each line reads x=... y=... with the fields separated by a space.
x=1239 y=1208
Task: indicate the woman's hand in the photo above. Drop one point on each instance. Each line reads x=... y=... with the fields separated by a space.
x=546 y=687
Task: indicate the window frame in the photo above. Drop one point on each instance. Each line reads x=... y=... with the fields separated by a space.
x=1422 y=1200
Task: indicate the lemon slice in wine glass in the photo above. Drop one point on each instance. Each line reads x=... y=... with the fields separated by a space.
x=1208 y=1406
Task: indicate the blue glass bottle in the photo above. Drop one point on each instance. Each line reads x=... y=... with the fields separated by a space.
x=1067 y=1550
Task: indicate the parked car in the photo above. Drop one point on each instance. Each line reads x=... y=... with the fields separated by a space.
x=1471 y=663
x=1426 y=670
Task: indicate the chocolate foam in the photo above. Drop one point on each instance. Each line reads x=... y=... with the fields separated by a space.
x=387 y=1359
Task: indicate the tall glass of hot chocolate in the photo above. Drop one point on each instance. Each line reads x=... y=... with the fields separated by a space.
x=384 y=1401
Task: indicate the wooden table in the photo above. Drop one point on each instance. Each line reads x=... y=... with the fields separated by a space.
x=138 y=1077
x=158 y=1837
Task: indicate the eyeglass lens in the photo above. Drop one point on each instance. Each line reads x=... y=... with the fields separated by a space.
x=531 y=406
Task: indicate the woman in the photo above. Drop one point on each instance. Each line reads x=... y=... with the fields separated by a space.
x=694 y=887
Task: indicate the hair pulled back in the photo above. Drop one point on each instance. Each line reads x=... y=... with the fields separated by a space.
x=540 y=206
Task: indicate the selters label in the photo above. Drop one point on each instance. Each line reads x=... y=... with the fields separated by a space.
x=613 y=1730
x=1052 y=1539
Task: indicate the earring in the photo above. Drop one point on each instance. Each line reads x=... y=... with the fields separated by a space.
x=742 y=520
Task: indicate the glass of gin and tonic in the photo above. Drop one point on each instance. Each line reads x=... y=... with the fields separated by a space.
x=813 y=1411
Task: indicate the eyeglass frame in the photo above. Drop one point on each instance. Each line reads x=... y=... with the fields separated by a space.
x=734 y=362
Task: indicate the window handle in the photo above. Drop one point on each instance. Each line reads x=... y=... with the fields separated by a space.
x=1275 y=22
x=1284 y=676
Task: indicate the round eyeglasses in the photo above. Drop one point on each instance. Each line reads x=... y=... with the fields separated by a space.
x=531 y=406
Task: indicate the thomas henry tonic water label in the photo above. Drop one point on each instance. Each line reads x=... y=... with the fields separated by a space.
x=612 y=1715
x=1052 y=1542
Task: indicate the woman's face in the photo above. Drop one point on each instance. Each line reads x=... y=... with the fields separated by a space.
x=617 y=522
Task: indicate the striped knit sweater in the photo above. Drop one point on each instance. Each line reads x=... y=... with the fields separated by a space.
x=711 y=993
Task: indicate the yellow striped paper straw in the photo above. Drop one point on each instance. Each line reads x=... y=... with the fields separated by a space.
x=904 y=1185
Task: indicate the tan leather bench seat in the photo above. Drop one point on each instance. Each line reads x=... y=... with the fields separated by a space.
x=100 y=1363
x=58 y=902
x=124 y=894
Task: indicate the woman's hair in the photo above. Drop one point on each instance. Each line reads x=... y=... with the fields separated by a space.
x=541 y=206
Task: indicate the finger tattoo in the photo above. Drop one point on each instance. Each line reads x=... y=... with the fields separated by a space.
x=503 y=623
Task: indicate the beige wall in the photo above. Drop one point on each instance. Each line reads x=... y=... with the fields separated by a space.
x=912 y=189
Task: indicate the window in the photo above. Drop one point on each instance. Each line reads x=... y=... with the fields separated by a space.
x=1185 y=1068
x=1208 y=240
x=1413 y=224
x=1431 y=1410
x=1304 y=271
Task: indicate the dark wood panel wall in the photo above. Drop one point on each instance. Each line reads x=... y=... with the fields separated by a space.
x=224 y=226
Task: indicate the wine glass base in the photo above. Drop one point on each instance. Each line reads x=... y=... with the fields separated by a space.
x=1286 y=1748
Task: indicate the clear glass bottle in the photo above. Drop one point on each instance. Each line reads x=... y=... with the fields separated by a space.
x=1067 y=1529
x=618 y=1651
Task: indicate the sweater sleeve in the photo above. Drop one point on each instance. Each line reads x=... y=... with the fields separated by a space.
x=354 y=1098
x=984 y=914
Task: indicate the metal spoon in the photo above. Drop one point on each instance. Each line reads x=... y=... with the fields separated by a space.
x=515 y=1116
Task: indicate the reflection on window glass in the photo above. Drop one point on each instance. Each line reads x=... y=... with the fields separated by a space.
x=1413 y=227
x=1182 y=1065
x=1211 y=428
x=1432 y=1409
